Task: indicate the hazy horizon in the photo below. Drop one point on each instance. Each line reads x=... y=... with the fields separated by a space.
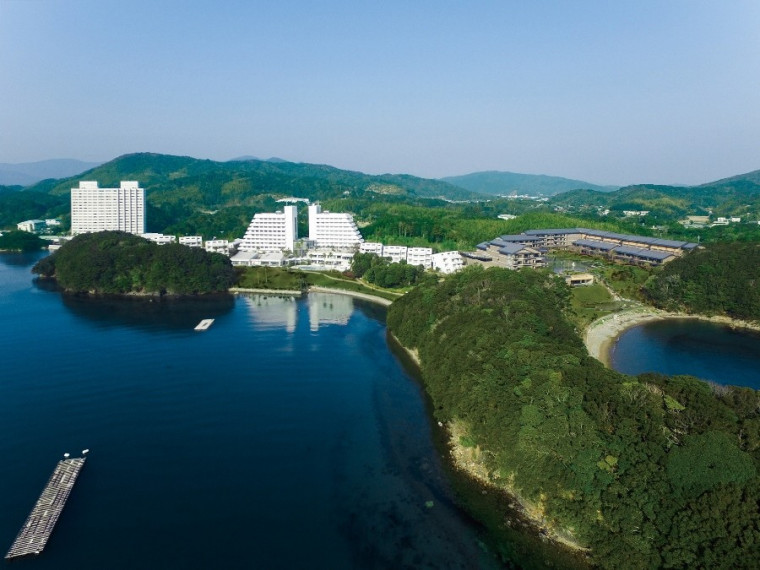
x=618 y=94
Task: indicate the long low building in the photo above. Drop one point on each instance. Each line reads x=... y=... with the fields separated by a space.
x=627 y=248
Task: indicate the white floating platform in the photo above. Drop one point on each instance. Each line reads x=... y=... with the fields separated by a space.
x=204 y=324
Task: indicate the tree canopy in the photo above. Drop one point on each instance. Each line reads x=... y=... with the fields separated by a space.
x=21 y=241
x=122 y=263
x=647 y=471
x=720 y=279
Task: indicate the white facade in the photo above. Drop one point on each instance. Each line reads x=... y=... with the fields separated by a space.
x=371 y=247
x=217 y=246
x=395 y=253
x=31 y=226
x=420 y=256
x=272 y=231
x=96 y=209
x=447 y=261
x=191 y=241
x=160 y=239
x=329 y=229
x=326 y=258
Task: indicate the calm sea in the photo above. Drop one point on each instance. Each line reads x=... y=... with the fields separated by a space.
x=285 y=436
x=688 y=346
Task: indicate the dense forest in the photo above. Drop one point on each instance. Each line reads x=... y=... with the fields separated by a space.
x=16 y=240
x=647 y=472
x=381 y=272
x=722 y=279
x=122 y=263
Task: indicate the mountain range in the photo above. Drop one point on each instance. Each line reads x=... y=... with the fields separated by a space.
x=497 y=183
x=194 y=190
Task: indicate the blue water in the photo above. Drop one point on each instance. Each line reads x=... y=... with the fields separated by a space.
x=688 y=346
x=285 y=436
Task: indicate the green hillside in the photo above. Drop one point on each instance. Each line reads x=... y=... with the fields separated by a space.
x=185 y=195
x=510 y=183
x=735 y=196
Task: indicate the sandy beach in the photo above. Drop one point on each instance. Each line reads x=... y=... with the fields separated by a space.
x=600 y=336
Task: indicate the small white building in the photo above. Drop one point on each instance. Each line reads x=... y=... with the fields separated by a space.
x=395 y=253
x=326 y=258
x=31 y=226
x=217 y=246
x=371 y=247
x=191 y=241
x=447 y=261
x=420 y=256
x=160 y=239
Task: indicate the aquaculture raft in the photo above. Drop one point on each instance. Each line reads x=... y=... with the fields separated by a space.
x=34 y=535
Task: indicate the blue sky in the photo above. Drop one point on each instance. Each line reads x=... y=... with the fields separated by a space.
x=612 y=92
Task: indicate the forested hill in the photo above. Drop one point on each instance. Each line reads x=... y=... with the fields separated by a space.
x=498 y=183
x=721 y=279
x=218 y=184
x=647 y=471
x=735 y=196
x=121 y=263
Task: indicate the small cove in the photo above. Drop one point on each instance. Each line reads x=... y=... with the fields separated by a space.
x=707 y=350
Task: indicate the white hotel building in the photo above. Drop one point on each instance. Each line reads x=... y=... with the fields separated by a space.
x=337 y=230
x=96 y=209
x=272 y=232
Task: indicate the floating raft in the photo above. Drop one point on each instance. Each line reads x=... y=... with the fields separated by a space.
x=204 y=324
x=34 y=535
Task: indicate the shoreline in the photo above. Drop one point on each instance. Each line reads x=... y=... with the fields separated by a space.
x=470 y=461
x=601 y=335
x=356 y=294
x=315 y=289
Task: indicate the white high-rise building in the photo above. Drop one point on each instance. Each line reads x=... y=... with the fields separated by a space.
x=327 y=229
x=96 y=209
x=272 y=231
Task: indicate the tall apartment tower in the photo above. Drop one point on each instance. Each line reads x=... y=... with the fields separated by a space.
x=272 y=232
x=327 y=229
x=96 y=209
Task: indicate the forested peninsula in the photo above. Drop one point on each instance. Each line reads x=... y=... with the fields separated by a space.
x=644 y=472
x=119 y=263
x=720 y=279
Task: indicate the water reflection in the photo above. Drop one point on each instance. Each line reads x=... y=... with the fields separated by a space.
x=272 y=311
x=149 y=314
x=328 y=308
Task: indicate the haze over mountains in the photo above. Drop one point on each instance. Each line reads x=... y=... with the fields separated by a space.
x=498 y=183
x=28 y=173
x=490 y=183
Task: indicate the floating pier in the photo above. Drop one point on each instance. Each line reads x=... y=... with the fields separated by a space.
x=34 y=535
x=204 y=324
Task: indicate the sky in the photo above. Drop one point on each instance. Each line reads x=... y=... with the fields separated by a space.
x=610 y=92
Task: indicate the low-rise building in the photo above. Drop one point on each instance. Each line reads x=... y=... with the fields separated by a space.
x=447 y=261
x=160 y=239
x=191 y=241
x=217 y=246
x=31 y=226
x=395 y=253
x=420 y=256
